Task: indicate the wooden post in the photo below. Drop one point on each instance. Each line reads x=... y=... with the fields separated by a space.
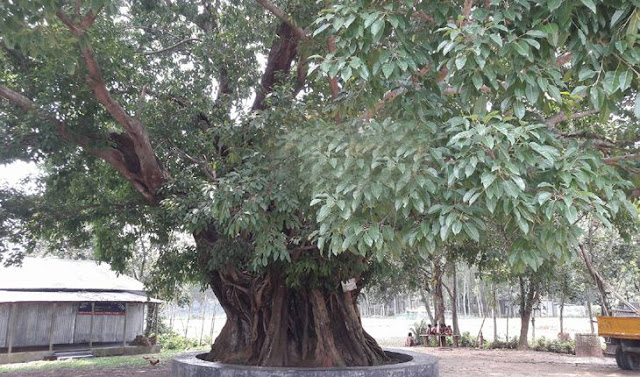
x=52 y=328
x=12 y=323
x=124 y=330
x=93 y=309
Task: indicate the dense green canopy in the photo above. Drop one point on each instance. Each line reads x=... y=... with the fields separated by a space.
x=305 y=140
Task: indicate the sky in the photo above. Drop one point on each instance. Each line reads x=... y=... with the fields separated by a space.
x=13 y=174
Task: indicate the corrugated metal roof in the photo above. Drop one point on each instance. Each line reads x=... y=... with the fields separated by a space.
x=29 y=296
x=63 y=274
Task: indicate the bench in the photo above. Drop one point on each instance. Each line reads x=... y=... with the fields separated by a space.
x=441 y=339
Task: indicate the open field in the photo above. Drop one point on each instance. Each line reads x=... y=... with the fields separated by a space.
x=390 y=332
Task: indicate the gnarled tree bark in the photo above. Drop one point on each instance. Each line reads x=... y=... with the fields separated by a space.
x=272 y=324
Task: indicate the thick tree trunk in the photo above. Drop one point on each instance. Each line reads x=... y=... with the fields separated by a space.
x=271 y=324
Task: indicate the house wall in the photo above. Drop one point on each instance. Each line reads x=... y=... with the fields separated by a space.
x=33 y=324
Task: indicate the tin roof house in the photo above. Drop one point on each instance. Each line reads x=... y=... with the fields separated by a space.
x=51 y=308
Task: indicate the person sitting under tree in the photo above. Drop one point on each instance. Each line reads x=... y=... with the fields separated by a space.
x=410 y=342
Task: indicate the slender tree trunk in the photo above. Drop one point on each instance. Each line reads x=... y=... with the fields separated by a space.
x=454 y=300
x=204 y=312
x=528 y=296
x=186 y=326
x=438 y=293
x=561 y=313
x=493 y=312
x=600 y=283
x=465 y=295
x=590 y=313
x=479 y=300
x=427 y=306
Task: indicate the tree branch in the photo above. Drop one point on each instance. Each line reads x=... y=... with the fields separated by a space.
x=617 y=159
x=561 y=117
x=283 y=50
x=139 y=158
x=300 y=32
x=112 y=156
x=16 y=98
x=172 y=47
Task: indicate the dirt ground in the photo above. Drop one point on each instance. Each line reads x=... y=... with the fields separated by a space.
x=460 y=362
x=464 y=362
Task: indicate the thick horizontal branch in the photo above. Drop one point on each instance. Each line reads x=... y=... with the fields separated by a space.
x=266 y=4
x=15 y=98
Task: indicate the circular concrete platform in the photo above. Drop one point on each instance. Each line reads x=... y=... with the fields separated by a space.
x=417 y=365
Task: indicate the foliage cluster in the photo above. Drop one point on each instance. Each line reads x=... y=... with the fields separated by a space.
x=555 y=345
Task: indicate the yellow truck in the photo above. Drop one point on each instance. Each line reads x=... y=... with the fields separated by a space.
x=622 y=336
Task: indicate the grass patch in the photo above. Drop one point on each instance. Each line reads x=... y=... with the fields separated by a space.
x=93 y=363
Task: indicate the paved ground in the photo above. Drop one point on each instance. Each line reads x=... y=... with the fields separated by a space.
x=460 y=362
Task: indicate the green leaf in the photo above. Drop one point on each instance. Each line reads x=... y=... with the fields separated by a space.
x=590 y=4
x=625 y=78
x=616 y=16
x=518 y=109
x=461 y=60
x=636 y=108
x=596 y=96
x=522 y=48
x=477 y=80
x=522 y=224
x=487 y=179
x=377 y=26
x=543 y=197
x=321 y=29
x=471 y=231
x=586 y=73
x=537 y=33
x=553 y=4
x=496 y=38
x=388 y=68
x=532 y=92
x=323 y=213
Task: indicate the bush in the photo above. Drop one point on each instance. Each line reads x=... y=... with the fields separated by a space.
x=557 y=346
x=501 y=344
x=173 y=341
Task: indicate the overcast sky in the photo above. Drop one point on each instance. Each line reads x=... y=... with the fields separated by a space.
x=14 y=174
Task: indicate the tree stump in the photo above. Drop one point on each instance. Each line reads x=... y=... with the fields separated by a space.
x=588 y=345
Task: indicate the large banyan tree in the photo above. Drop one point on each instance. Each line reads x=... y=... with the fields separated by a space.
x=300 y=143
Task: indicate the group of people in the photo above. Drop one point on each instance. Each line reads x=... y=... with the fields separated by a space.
x=434 y=330
x=440 y=330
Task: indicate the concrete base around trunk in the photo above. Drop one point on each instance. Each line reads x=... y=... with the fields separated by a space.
x=23 y=357
x=418 y=365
